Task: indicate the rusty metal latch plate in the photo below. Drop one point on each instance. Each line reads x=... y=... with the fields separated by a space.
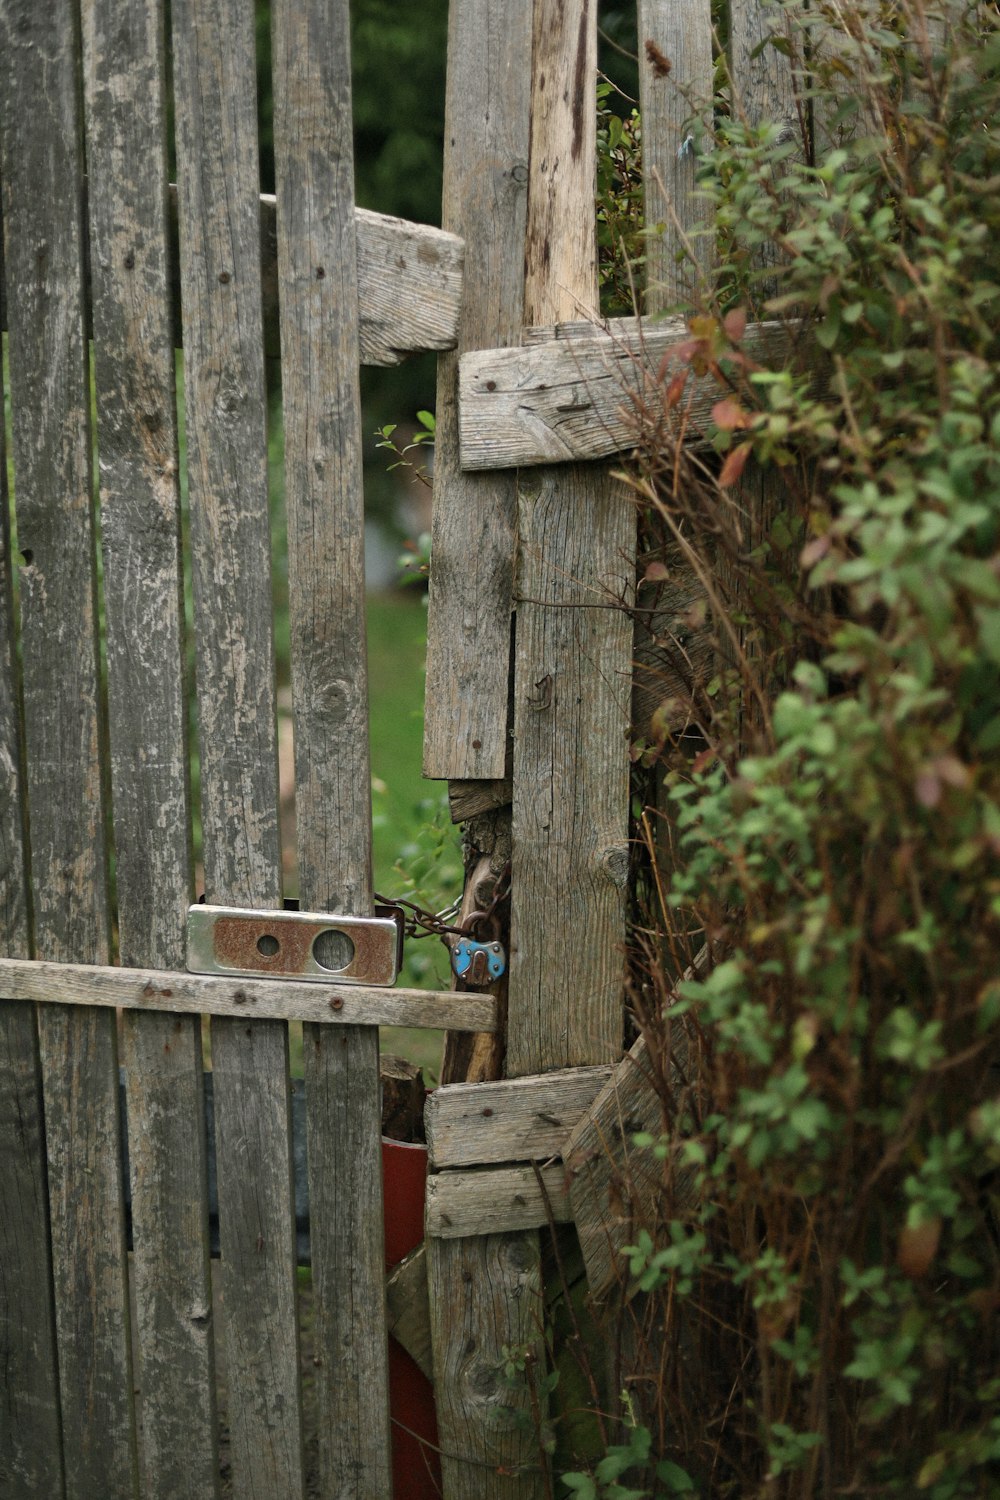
x=293 y=945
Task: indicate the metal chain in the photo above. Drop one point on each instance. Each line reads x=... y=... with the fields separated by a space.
x=422 y=923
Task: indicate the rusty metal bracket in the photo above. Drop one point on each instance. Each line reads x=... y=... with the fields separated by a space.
x=294 y=945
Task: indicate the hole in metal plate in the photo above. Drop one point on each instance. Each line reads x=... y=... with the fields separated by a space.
x=332 y=949
x=267 y=945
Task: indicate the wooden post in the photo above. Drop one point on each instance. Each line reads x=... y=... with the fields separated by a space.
x=41 y=151
x=573 y=653
x=225 y=403
x=472 y=553
x=324 y=497
x=124 y=63
x=30 y=1445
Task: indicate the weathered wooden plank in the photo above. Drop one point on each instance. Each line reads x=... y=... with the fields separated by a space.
x=41 y=168
x=264 y=999
x=515 y=1119
x=30 y=1447
x=408 y=1310
x=675 y=66
x=576 y=534
x=219 y=218
x=493 y=1200
x=124 y=62
x=577 y=398
x=611 y=1182
x=488 y=1447
x=762 y=75
x=409 y=284
x=467 y=799
x=324 y=498
x=472 y=552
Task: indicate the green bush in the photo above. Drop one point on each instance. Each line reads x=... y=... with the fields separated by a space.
x=826 y=1257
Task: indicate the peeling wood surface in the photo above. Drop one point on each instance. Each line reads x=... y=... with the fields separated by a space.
x=140 y=526
x=486 y=1293
x=472 y=552
x=289 y=1000
x=41 y=143
x=219 y=218
x=576 y=544
x=324 y=497
x=494 y=1199
x=577 y=398
x=30 y=1448
x=515 y=1119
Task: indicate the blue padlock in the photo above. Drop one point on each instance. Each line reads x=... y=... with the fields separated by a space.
x=479 y=963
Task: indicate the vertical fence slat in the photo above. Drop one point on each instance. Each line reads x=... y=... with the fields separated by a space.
x=124 y=72
x=681 y=36
x=320 y=367
x=472 y=553
x=42 y=173
x=484 y=1291
x=573 y=653
x=225 y=403
x=30 y=1445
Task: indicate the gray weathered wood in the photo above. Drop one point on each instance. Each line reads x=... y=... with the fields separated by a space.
x=493 y=1200
x=485 y=176
x=324 y=498
x=263 y=999
x=575 y=398
x=30 y=1448
x=515 y=1119
x=219 y=220
x=572 y=662
x=612 y=1183
x=124 y=59
x=40 y=163
x=486 y=1294
x=408 y=1310
x=681 y=36
x=409 y=284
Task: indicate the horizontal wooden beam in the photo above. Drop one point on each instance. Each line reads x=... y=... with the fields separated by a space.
x=515 y=1119
x=264 y=999
x=494 y=1200
x=409 y=284
x=566 y=396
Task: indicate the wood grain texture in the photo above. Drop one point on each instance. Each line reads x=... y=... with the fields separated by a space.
x=409 y=284
x=467 y=799
x=320 y=358
x=472 y=551
x=41 y=168
x=219 y=220
x=572 y=662
x=762 y=76
x=611 y=1182
x=408 y=1310
x=140 y=511
x=485 y=1293
x=575 y=398
x=682 y=35
x=263 y=999
x=491 y=1200
x=30 y=1447
x=515 y=1119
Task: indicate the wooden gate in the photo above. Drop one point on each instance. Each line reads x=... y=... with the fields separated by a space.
x=107 y=1357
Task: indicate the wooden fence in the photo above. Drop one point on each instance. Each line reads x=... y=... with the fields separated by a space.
x=108 y=1356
